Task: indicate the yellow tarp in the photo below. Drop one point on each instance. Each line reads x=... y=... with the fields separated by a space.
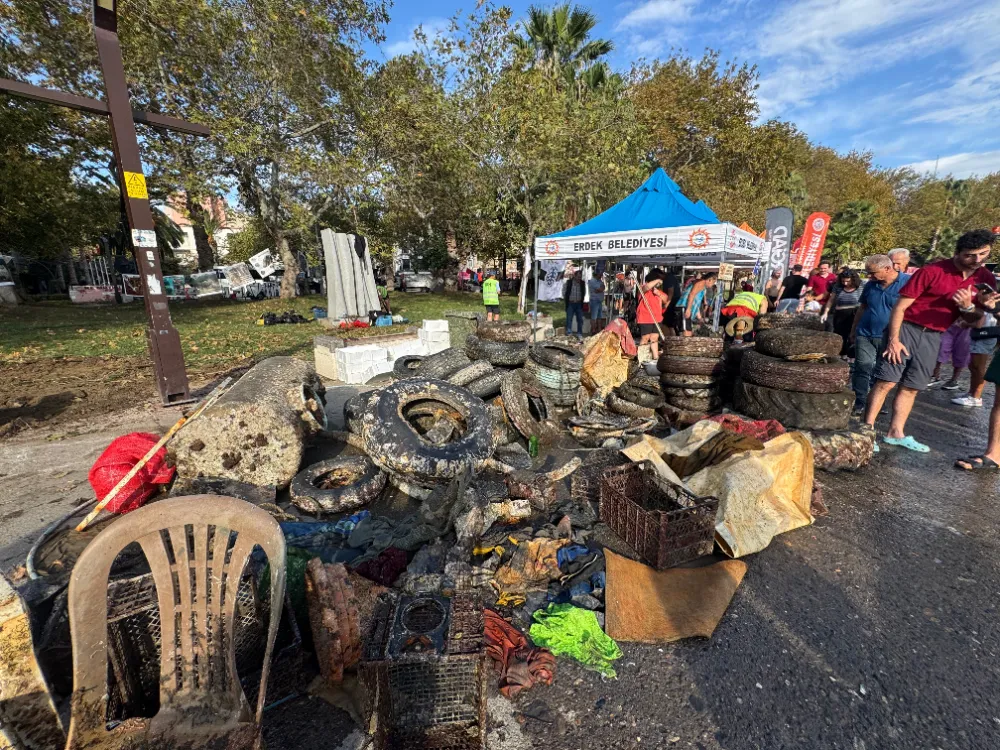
x=761 y=493
x=604 y=365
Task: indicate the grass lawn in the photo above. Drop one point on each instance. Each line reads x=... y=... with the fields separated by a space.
x=216 y=335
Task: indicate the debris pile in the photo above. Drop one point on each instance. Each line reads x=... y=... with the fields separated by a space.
x=459 y=520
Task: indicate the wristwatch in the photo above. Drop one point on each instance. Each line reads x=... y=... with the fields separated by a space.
x=970 y=308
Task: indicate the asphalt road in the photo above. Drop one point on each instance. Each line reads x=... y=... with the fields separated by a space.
x=873 y=628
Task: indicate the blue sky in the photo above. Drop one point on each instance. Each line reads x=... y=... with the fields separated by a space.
x=917 y=82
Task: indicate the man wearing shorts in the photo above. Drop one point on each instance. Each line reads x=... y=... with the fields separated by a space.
x=595 y=284
x=491 y=296
x=934 y=298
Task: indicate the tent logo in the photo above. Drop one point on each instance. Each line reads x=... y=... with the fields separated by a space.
x=551 y=247
x=699 y=239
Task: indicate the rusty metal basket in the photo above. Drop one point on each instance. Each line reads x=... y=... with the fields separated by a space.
x=665 y=524
x=585 y=483
x=434 y=698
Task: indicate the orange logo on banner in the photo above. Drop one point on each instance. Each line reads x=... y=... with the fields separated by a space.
x=813 y=239
x=551 y=247
x=699 y=239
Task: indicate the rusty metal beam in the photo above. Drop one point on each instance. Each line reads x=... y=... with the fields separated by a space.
x=97 y=107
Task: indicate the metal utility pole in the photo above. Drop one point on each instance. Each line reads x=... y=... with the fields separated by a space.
x=164 y=341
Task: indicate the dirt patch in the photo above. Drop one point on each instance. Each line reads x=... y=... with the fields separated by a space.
x=53 y=391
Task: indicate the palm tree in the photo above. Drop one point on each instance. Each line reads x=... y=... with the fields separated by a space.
x=558 y=41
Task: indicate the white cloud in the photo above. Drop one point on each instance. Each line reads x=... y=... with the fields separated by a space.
x=431 y=27
x=659 y=11
x=961 y=165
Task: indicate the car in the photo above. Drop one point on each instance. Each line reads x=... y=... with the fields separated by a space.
x=414 y=281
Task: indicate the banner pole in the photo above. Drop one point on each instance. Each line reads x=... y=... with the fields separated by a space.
x=718 y=295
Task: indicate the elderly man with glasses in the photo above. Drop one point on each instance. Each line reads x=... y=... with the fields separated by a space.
x=871 y=319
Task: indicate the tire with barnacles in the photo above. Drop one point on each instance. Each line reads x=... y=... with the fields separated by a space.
x=352 y=482
x=407 y=366
x=520 y=395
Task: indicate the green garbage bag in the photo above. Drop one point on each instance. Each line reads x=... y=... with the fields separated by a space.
x=566 y=630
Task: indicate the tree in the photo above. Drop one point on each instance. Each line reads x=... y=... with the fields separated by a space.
x=558 y=41
x=851 y=231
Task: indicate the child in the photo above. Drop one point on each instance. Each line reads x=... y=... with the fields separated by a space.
x=813 y=307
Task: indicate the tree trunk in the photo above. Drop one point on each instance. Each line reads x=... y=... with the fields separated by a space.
x=72 y=269
x=523 y=295
x=291 y=262
x=934 y=241
x=206 y=257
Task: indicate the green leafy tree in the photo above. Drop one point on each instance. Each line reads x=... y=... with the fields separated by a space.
x=558 y=41
x=851 y=232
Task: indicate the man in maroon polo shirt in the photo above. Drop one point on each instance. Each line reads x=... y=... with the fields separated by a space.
x=822 y=280
x=934 y=298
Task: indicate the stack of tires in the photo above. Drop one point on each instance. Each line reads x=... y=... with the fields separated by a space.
x=794 y=375
x=691 y=369
x=556 y=369
x=503 y=344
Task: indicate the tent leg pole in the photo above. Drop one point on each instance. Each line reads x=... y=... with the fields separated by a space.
x=718 y=298
x=534 y=321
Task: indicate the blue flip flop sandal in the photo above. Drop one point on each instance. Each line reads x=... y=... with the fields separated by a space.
x=909 y=443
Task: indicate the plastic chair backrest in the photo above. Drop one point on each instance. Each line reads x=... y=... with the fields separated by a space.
x=197 y=548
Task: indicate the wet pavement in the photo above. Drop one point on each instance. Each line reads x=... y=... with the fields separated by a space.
x=873 y=628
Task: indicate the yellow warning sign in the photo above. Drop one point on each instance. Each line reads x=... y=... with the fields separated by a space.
x=135 y=185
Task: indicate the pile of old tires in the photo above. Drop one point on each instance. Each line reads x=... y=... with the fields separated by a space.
x=794 y=375
x=556 y=369
x=691 y=369
x=639 y=396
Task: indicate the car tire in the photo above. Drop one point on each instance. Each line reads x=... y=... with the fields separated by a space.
x=794 y=409
x=504 y=331
x=701 y=404
x=354 y=408
x=619 y=405
x=787 y=320
x=827 y=376
x=640 y=396
x=518 y=389
x=407 y=366
x=678 y=380
x=797 y=342
x=487 y=386
x=689 y=365
x=497 y=353
x=446 y=362
x=366 y=484
x=396 y=447
x=708 y=347
x=470 y=372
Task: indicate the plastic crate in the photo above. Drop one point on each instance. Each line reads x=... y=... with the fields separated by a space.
x=434 y=698
x=585 y=482
x=665 y=524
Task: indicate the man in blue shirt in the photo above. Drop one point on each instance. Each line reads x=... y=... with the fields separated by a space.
x=870 y=321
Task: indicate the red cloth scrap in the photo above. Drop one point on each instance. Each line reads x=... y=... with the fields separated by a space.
x=518 y=665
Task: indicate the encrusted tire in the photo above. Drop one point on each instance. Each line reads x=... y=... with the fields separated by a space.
x=556 y=357
x=702 y=404
x=795 y=410
x=708 y=347
x=505 y=331
x=640 y=396
x=677 y=380
x=446 y=362
x=487 y=386
x=825 y=376
x=354 y=408
x=520 y=393
x=365 y=482
x=629 y=408
x=796 y=342
x=672 y=393
x=397 y=447
x=689 y=365
x=498 y=353
x=649 y=383
x=734 y=355
x=787 y=320
x=470 y=372
x=504 y=432
x=407 y=366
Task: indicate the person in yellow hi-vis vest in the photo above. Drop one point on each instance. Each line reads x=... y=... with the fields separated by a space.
x=491 y=296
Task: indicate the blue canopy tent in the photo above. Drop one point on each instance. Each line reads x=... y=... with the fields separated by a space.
x=656 y=224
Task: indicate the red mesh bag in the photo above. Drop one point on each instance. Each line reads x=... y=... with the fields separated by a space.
x=118 y=460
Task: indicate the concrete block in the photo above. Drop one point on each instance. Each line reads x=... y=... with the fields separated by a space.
x=435 y=325
x=326 y=363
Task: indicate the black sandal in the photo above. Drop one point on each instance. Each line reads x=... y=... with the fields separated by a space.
x=977 y=463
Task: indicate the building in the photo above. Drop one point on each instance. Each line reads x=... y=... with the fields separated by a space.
x=218 y=208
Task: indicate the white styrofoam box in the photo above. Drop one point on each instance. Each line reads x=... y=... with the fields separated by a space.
x=326 y=363
x=435 y=337
x=435 y=348
x=357 y=354
x=435 y=325
x=405 y=348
